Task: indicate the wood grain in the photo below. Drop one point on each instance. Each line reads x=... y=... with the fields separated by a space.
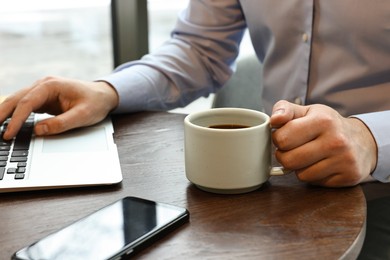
x=285 y=219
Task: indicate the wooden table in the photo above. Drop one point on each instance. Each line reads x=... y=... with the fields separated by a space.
x=285 y=219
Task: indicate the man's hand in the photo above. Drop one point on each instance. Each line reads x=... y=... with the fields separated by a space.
x=75 y=103
x=321 y=146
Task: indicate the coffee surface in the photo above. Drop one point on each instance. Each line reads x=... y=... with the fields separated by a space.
x=228 y=126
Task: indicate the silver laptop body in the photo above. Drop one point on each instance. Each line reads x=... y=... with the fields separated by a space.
x=81 y=157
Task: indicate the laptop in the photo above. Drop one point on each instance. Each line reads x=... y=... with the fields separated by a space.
x=81 y=157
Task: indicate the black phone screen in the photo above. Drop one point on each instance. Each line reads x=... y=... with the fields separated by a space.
x=108 y=233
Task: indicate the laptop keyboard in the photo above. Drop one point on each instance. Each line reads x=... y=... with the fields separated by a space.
x=14 y=153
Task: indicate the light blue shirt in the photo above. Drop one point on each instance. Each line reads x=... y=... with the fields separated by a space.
x=331 y=52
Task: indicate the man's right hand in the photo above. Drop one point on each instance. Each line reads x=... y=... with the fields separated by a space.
x=74 y=103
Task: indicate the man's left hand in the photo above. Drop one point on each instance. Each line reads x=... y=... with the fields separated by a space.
x=321 y=146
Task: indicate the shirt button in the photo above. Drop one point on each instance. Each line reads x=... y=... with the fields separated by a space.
x=305 y=37
x=298 y=101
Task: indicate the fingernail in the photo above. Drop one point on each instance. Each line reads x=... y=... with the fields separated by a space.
x=41 y=129
x=279 y=111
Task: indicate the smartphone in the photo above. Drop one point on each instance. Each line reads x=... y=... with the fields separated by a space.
x=116 y=231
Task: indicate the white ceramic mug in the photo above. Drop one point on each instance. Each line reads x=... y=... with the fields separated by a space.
x=228 y=150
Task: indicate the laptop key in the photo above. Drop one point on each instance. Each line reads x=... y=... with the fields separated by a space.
x=15 y=151
x=22 y=140
x=18 y=159
x=20 y=153
x=22 y=164
x=4 y=142
x=2 y=171
x=5 y=147
x=19 y=176
x=21 y=170
x=11 y=171
x=4 y=153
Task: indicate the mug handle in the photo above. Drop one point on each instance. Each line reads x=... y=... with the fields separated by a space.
x=278 y=171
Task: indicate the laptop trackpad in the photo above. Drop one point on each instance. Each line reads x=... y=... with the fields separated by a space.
x=80 y=140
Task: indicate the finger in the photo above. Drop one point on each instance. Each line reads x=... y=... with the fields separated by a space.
x=74 y=118
x=296 y=133
x=33 y=99
x=333 y=181
x=301 y=157
x=326 y=173
x=337 y=181
x=9 y=103
x=308 y=124
x=284 y=111
x=315 y=173
x=322 y=174
x=6 y=109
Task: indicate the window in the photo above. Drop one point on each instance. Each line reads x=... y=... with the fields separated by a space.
x=70 y=38
x=66 y=38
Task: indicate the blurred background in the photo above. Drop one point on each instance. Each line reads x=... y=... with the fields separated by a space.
x=70 y=38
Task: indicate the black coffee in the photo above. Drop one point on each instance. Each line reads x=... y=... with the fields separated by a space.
x=228 y=126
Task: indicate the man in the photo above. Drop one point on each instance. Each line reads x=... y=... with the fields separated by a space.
x=312 y=52
x=330 y=59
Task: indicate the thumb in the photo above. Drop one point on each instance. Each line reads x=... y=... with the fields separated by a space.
x=51 y=126
x=284 y=111
x=61 y=123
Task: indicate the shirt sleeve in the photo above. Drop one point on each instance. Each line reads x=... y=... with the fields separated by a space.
x=196 y=61
x=379 y=125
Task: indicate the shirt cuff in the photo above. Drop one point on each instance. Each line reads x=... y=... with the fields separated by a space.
x=136 y=88
x=379 y=125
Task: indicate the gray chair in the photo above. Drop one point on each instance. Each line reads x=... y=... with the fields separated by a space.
x=244 y=89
